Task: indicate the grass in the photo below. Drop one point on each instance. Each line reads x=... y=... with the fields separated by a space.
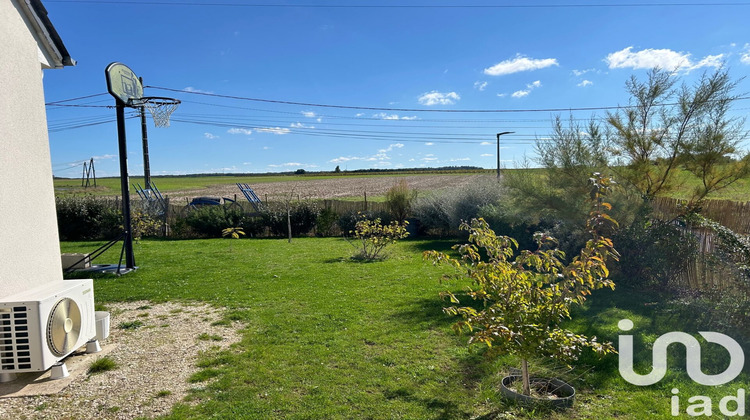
x=326 y=337
x=102 y=364
x=130 y=325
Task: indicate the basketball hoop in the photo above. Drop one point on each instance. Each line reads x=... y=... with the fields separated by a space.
x=159 y=108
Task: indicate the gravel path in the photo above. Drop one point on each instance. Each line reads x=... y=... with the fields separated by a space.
x=154 y=361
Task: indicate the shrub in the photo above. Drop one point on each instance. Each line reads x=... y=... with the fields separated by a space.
x=506 y=224
x=526 y=295
x=374 y=237
x=654 y=252
x=399 y=199
x=210 y=221
x=303 y=216
x=326 y=222
x=144 y=225
x=347 y=222
x=443 y=211
x=81 y=218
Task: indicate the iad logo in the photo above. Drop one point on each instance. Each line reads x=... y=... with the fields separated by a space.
x=702 y=406
x=692 y=349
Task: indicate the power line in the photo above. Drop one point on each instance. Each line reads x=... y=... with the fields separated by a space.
x=75 y=99
x=372 y=108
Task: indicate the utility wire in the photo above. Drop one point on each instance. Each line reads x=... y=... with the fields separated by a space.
x=75 y=99
x=372 y=108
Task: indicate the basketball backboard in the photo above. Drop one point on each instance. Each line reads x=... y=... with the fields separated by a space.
x=122 y=83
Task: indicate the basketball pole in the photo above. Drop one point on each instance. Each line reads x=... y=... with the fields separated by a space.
x=144 y=137
x=127 y=245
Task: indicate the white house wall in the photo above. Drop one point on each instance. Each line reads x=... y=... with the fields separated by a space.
x=29 y=242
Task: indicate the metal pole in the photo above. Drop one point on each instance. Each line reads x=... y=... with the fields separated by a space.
x=498 y=151
x=124 y=187
x=144 y=136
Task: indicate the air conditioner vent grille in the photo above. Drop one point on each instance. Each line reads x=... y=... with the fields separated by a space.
x=14 y=338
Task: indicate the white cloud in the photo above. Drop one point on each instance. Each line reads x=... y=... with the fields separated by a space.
x=210 y=136
x=294 y=164
x=266 y=148
x=384 y=116
x=518 y=64
x=745 y=57
x=102 y=157
x=579 y=73
x=460 y=159
x=360 y=114
x=308 y=114
x=438 y=98
x=429 y=143
x=381 y=156
x=531 y=86
x=300 y=125
x=659 y=58
x=194 y=90
x=585 y=83
x=502 y=95
x=275 y=130
x=236 y=130
x=486 y=155
x=480 y=86
x=391 y=147
x=710 y=61
x=486 y=143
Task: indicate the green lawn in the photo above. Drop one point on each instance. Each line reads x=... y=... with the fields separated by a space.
x=326 y=337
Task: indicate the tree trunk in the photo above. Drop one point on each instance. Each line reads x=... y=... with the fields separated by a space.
x=525 y=377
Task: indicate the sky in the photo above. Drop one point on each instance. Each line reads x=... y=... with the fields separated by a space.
x=277 y=86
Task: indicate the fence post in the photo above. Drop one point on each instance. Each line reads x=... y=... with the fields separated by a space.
x=166 y=217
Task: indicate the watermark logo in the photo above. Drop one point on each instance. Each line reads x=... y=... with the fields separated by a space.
x=693 y=352
x=699 y=405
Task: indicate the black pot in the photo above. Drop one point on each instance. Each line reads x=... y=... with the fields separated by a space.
x=565 y=393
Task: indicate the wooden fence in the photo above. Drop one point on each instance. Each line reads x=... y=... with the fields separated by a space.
x=700 y=274
x=733 y=214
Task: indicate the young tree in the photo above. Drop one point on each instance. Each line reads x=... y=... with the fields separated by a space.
x=666 y=128
x=526 y=297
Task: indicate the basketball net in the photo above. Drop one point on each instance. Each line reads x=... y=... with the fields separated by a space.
x=159 y=108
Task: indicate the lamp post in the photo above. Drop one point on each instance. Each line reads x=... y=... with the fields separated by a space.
x=498 y=151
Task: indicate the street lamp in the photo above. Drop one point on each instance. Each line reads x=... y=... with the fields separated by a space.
x=498 y=151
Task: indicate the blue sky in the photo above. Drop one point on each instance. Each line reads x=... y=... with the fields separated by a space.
x=391 y=72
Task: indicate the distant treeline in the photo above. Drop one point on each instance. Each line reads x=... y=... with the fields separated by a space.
x=441 y=169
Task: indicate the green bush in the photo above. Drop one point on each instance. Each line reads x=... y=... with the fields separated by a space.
x=326 y=223
x=374 y=237
x=443 y=211
x=82 y=218
x=210 y=221
x=653 y=252
x=347 y=222
x=399 y=199
x=506 y=224
x=303 y=216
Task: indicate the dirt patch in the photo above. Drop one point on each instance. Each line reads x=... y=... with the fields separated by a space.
x=331 y=188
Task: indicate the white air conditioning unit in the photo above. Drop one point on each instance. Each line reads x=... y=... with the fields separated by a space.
x=41 y=326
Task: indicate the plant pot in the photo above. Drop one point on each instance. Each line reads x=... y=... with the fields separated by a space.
x=564 y=394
